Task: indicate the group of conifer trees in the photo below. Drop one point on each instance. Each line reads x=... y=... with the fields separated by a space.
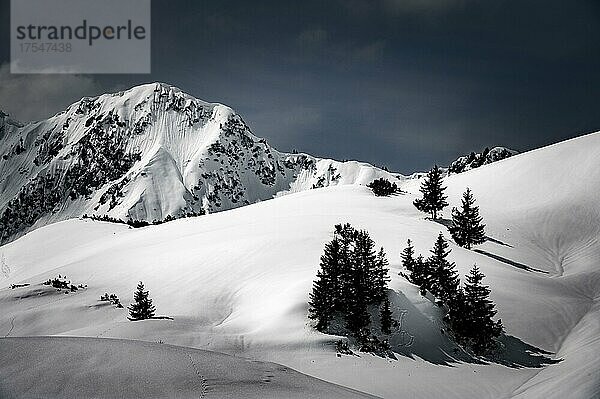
x=467 y=228
x=470 y=311
x=353 y=278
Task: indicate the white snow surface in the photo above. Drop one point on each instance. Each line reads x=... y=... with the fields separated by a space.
x=238 y=281
x=107 y=368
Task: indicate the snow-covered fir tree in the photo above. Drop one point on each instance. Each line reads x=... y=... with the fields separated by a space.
x=379 y=277
x=142 y=308
x=326 y=294
x=422 y=274
x=467 y=228
x=444 y=281
x=385 y=314
x=472 y=317
x=433 y=199
x=408 y=257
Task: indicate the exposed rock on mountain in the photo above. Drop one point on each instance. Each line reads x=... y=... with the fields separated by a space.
x=475 y=160
x=147 y=153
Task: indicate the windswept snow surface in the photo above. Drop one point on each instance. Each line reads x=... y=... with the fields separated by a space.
x=238 y=281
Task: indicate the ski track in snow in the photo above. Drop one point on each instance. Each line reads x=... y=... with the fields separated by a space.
x=104 y=332
x=12 y=326
x=203 y=382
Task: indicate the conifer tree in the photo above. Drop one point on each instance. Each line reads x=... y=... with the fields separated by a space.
x=380 y=277
x=478 y=325
x=445 y=280
x=327 y=295
x=467 y=228
x=422 y=274
x=458 y=314
x=408 y=257
x=360 y=284
x=364 y=261
x=357 y=316
x=142 y=308
x=321 y=304
x=433 y=199
x=347 y=236
x=385 y=314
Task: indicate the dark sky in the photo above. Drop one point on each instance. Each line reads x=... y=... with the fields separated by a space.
x=397 y=83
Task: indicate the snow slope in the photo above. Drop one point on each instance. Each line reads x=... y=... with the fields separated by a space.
x=238 y=281
x=102 y=368
x=147 y=153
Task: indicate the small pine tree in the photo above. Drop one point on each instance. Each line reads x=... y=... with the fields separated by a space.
x=478 y=326
x=445 y=280
x=142 y=308
x=408 y=257
x=385 y=314
x=467 y=228
x=433 y=199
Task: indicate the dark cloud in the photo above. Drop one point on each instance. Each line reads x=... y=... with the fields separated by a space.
x=33 y=97
x=399 y=82
x=422 y=6
x=315 y=37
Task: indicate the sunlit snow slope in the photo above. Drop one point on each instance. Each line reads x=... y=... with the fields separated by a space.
x=238 y=281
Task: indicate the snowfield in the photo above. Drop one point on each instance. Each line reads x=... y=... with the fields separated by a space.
x=238 y=281
x=104 y=368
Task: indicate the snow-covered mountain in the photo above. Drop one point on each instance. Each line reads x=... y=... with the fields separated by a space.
x=147 y=153
x=475 y=160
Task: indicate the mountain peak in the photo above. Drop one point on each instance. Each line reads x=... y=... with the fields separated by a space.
x=149 y=153
x=475 y=160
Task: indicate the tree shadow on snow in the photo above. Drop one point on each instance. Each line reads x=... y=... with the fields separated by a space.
x=424 y=336
x=509 y=262
x=495 y=241
x=417 y=335
x=518 y=354
x=447 y=223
